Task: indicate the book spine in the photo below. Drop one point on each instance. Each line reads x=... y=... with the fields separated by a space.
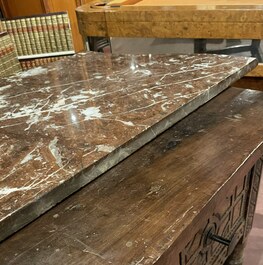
x=1 y=26
x=60 y=30
x=36 y=35
x=22 y=65
x=10 y=31
x=29 y=64
x=41 y=35
x=35 y=61
x=16 y=37
x=30 y=36
x=26 y=36
x=68 y=33
x=51 y=33
x=21 y=37
x=45 y=34
x=4 y=25
x=26 y=64
x=32 y=63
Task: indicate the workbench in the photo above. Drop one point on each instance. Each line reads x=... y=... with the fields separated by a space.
x=194 y=19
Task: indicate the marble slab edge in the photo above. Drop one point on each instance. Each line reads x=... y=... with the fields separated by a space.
x=31 y=211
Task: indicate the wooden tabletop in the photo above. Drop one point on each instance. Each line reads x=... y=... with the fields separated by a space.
x=173 y=19
x=197 y=19
x=184 y=2
x=139 y=210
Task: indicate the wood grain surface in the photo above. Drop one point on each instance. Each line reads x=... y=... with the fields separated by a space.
x=185 y=2
x=225 y=19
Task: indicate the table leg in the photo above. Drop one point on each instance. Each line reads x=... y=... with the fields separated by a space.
x=256 y=50
x=199 y=45
x=84 y=41
x=97 y=44
x=236 y=258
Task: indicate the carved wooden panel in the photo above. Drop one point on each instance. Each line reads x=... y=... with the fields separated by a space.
x=228 y=221
x=254 y=187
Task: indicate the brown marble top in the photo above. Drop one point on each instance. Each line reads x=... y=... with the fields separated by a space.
x=65 y=124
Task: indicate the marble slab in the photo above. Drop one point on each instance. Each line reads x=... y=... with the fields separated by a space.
x=63 y=125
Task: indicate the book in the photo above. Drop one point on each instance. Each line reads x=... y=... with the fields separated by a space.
x=16 y=37
x=1 y=26
x=51 y=34
x=45 y=34
x=21 y=36
x=8 y=28
x=41 y=35
x=68 y=32
x=56 y=30
x=31 y=36
x=36 y=42
x=29 y=63
x=26 y=34
x=62 y=30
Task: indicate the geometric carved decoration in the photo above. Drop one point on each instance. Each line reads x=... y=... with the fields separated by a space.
x=228 y=221
x=253 y=193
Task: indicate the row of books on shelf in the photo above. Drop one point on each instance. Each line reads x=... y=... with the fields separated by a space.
x=43 y=34
x=30 y=63
x=9 y=63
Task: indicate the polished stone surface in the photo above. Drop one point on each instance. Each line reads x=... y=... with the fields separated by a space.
x=65 y=124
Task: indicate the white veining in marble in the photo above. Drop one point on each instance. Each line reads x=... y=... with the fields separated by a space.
x=59 y=120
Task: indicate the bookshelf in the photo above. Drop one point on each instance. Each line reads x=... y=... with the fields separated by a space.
x=17 y=8
x=40 y=36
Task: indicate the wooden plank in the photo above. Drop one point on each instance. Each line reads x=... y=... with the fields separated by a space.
x=257 y=72
x=176 y=19
x=176 y=14
x=202 y=30
x=212 y=3
x=250 y=82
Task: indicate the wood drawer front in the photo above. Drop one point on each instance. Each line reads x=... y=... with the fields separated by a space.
x=228 y=219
